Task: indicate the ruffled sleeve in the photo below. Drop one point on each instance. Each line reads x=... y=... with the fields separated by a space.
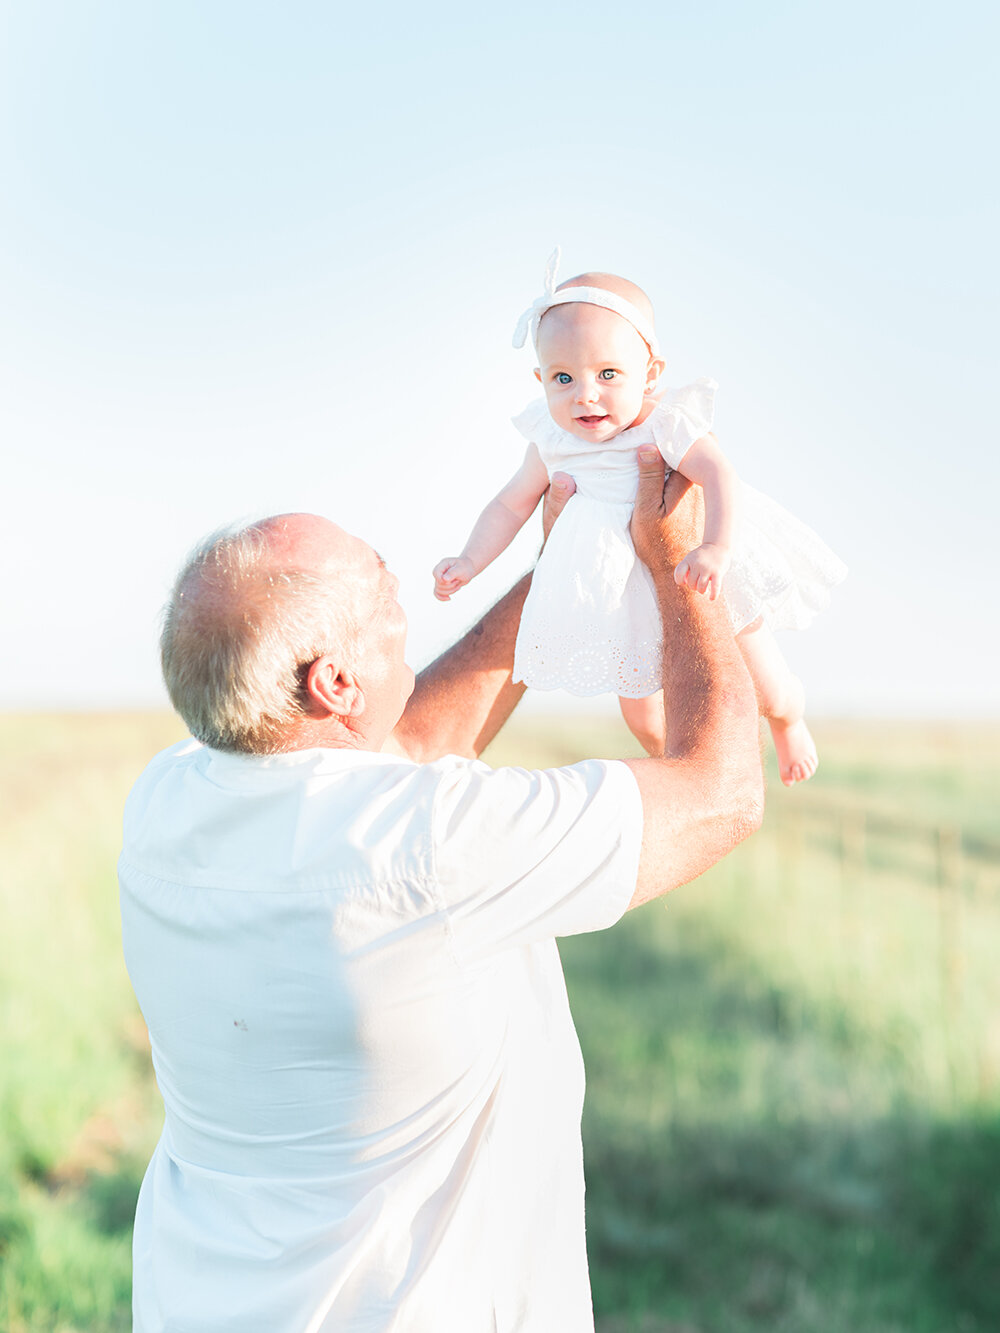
x=535 y=424
x=681 y=417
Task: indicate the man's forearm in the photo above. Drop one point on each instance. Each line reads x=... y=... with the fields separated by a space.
x=708 y=694
x=706 y=793
x=464 y=697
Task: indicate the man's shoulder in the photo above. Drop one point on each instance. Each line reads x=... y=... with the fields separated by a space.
x=537 y=852
x=182 y=753
x=458 y=783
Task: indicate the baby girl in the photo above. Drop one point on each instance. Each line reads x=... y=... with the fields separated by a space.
x=590 y=623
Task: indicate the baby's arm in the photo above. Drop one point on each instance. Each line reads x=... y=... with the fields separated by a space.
x=497 y=526
x=704 y=568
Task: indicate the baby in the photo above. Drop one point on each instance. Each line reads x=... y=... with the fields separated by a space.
x=590 y=623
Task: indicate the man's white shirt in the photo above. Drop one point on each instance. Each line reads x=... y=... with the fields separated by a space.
x=359 y=1025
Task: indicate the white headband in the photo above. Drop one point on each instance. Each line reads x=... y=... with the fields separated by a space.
x=585 y=295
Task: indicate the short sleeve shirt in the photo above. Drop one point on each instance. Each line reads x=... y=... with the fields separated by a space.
x=371 y=1079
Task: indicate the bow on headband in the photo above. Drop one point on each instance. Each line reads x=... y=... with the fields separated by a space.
x=580 y=295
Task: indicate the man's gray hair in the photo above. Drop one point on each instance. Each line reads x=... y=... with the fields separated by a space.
x=238 y=637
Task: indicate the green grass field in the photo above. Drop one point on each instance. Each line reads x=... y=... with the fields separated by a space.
x=793 y=1117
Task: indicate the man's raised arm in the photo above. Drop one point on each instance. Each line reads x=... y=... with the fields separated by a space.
x=464 y=697
x=707 y=792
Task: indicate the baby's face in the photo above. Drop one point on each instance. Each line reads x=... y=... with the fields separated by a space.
x=595 y=370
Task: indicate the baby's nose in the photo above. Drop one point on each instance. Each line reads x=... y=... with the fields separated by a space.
x=587 y=391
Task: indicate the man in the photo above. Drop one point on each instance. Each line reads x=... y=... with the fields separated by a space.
x=342 y=937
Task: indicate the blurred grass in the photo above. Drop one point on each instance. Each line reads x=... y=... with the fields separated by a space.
x=79 y=1112
x=793 y=1111
x=793 y=1116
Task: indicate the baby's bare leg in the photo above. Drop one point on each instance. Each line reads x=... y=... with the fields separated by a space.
x=646 y=721
x=781 y=700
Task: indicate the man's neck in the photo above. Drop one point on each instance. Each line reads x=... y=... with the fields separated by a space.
x=329 y=734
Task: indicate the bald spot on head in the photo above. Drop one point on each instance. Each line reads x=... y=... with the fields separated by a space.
x=283 y=544
x=303 y=541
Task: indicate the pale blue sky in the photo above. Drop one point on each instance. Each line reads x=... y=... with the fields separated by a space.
x=262 y=256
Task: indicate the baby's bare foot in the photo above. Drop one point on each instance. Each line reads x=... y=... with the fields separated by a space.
x=796 y=750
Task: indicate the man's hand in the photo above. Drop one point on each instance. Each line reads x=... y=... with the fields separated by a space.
x=561 y=487
x=461 y=700
x=663 y=528
x=704 y=568
x=455 y=571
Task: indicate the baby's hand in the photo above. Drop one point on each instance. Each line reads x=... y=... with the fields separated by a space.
x=703 y=569
x=452 y=573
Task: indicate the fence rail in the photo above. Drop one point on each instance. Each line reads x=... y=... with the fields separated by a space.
x=957 y=875
x=865 y=839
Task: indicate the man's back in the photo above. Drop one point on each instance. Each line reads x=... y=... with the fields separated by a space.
x=371 y=1078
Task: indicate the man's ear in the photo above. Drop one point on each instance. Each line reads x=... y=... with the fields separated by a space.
x=334 y=689
x=654 y=370
x=538 y=375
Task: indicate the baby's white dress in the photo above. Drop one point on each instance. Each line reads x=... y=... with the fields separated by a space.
x=590 y=624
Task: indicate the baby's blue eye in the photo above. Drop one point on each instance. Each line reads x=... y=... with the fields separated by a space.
x=607 y=374
x=563 y=378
